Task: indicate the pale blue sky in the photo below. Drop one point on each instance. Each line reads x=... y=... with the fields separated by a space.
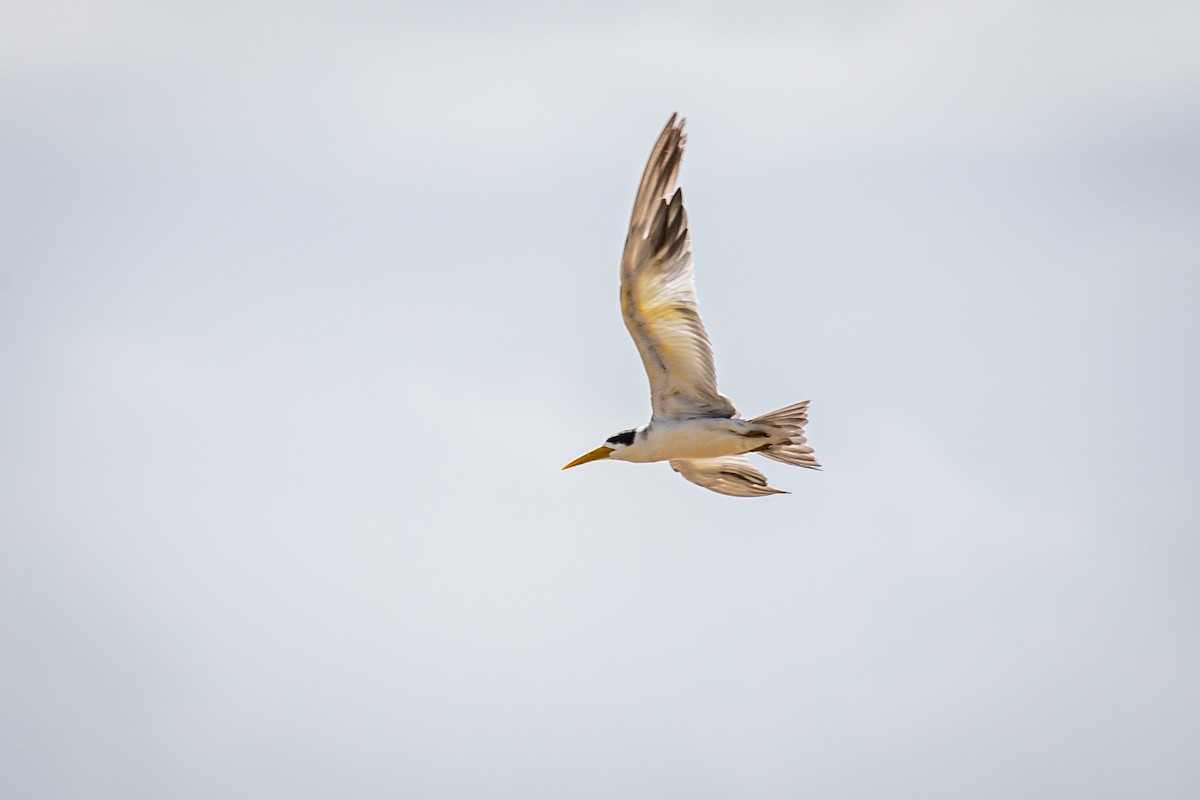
x=301 y=310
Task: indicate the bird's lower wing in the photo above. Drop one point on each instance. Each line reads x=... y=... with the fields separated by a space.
x=731 y=475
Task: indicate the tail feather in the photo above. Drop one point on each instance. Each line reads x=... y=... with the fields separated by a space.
x=795 y=449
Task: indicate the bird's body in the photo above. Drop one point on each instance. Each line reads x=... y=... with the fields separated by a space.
x=699 y=437
x=694 y=427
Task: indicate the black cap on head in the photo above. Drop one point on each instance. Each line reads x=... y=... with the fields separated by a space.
x=624 y=437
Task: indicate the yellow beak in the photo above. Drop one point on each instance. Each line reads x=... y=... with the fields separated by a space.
x=600 y=452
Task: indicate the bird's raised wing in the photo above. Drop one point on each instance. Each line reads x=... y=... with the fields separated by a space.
x=731 y=475
x=658 y=292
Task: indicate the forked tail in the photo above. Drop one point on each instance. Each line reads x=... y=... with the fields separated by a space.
x=795 y=450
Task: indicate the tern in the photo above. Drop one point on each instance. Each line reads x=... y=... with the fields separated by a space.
x=693 y=426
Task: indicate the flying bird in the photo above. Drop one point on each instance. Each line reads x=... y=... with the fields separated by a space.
x=693 y=426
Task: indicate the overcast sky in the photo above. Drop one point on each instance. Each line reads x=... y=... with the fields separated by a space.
x=303 y=308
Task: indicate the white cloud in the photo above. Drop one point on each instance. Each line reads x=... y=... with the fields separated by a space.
x=425 y=91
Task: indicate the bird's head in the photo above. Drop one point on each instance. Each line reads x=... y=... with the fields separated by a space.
x=611 y=448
